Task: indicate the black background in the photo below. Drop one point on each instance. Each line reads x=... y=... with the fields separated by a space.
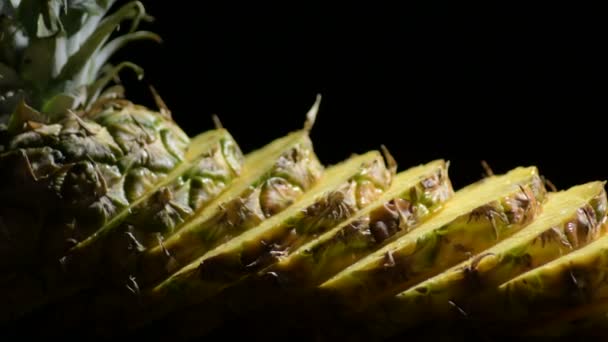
x=512 y=85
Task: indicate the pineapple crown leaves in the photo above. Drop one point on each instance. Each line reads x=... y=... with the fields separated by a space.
x=54 y=53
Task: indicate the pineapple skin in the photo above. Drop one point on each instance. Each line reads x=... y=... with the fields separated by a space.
x=472 y=293
x=295 y=171
x=83 y=173
x=108 y=258
x=470 y=233
x=75 y=145
x=279 y=286
x=151 y=222
x=367 y=233
x=575 y=291
x=132 y=272
x=110 y=185
x=215 y=274
x=67 y=138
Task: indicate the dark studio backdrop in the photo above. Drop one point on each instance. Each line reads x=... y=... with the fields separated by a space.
x=512 y=85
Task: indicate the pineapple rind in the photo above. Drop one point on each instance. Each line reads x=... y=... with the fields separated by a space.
x=291 y=170
x=213 y=169
x=381 y=222
x=323 y=208
x=468 y=287
x=568 y=283
x=425 y=252
x=114 y=248
x=419 y=193
x=83 y=174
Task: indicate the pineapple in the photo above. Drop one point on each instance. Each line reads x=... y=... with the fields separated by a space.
x=475 y=218
x=415 y=195
x=103 y=196
x=154 y=214
x=95 y=162
x=274 y=178
x=83 y=154
x=270 y=179
x=569 y=220
x=343 y=190
x=562 y=293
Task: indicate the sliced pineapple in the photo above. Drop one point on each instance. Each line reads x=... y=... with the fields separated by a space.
x=272 y=178
x=415 y=195
x=344 y=189
x=475 y=218
x=566 y=289
x=570 y=220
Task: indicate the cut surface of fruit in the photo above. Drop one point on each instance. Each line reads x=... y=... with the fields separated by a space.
x=475 y=218
x=415 y=194
x=213 y=161
x=272 y=178
x=569 y=220
x=344 y=189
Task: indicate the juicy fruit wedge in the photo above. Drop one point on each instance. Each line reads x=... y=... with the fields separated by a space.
x=344 y=189
x=272 y=178
x=570 y=220
x=415 y=195
x=475 y=218
x=213 y=160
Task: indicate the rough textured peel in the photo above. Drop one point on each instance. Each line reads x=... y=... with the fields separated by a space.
x=564 y=286
x=569 y=220
x=273 y=178
x=475 y=218
x=211 y=162
x=343 y=190
x=84 y=170
x=415 y=195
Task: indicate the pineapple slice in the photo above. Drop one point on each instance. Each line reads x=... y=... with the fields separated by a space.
x=415 y=195
x=273 y=178
x=565 y=290
x=212 y=161
x=570 y=220
x=475 y=218
x=344 y=189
